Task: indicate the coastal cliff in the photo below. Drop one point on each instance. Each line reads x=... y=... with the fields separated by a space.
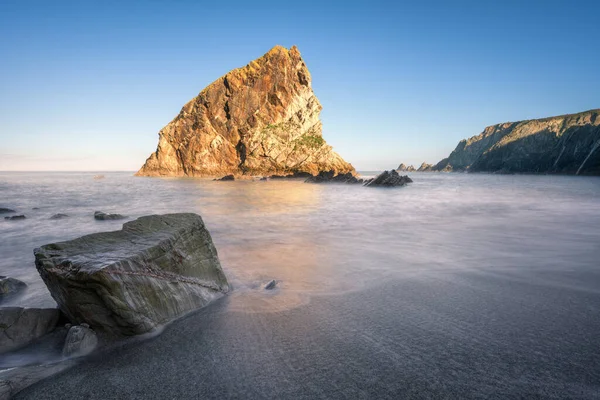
x=261 y=119
x=567 y=144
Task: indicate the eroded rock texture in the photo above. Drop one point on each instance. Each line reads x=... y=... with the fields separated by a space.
x=262 y=119
x=20 y=326
x=131 y=281
x=568 y=144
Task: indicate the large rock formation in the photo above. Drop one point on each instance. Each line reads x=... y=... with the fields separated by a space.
x=262 y=119
x=131 y=281
x=568 y=144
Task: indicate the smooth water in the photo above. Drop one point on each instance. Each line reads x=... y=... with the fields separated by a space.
x=455 y=286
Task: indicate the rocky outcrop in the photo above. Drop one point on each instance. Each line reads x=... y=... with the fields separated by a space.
x=6 y=210
x=132 y=281
x=10 y=287
x=262 y=119
x=425 y=167
x=21 y=326
x=567 y=144
x=403 y=168
x=332 y=177
x=388 y=179
x=102 y=216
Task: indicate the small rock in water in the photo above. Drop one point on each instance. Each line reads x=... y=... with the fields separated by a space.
x=6 y=210
x=35 y=208
x=10 y=287
x=15 y=217
x=59 y=216
x=271 y=285
x=80 y=341
x=388 y=179
x=102 y=216
x=97 y=177
x=226 y=178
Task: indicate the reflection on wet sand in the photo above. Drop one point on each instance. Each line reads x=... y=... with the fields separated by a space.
x=266 y=234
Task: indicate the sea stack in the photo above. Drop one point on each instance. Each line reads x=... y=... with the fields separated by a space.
x=261 y=119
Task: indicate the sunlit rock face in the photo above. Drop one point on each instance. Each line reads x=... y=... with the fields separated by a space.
x=262 y=119
x=132 y=281
x=568 y=144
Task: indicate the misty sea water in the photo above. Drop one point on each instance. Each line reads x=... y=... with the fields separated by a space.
x=455 y=286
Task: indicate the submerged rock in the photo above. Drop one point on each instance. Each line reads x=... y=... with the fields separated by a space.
x=15 y=217
x=20 y=326
x=80 y=341
x=132 y=281
x=14 y=380
x=10 y=287
x=331 y=177
x=6 y=210
x=261 y=119
x=271 y=285
x=60 y=216
x=389 y=179
x=226 y=178
x=101 y=216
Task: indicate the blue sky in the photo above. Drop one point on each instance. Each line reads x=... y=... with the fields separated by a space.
x=87 y=85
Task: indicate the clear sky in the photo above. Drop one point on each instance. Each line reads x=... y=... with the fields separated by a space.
x=87 y=85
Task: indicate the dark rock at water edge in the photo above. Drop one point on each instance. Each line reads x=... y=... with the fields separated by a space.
x=132 y=281
x=388 y=179
x=20 y=326
x=60 y=216
x=298 y=174
x=6 y=210
x=15 y=217
x=226 y=178
x=80 y=341
x=101 y=216
x=10 y=287
x=331 y=177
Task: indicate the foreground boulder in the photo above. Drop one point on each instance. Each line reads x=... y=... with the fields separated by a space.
x=389 y=179
x=102 y=216
x=332 y=177
x=10 y=287
x=21 y=326
x=132 y=281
